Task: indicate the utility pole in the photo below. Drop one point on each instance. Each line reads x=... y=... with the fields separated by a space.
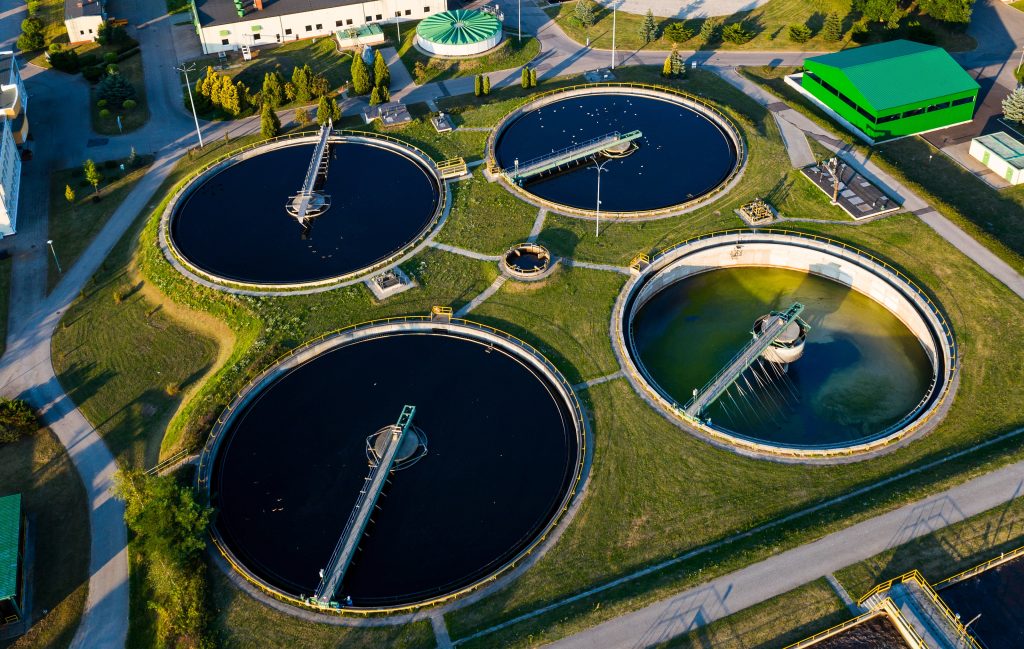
x=188 y=86
x=613 y=45
x=599 y=167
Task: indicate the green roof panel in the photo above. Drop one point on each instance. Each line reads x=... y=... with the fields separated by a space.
x=898 y=73
x=458 y=27
x=10 y=533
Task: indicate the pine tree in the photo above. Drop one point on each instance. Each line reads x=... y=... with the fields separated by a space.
x=300 y=79
x=332 y=105
x=272 y=93
x=381 y=74
x=478 y=85
x=229 y=100
x=709 y=29
x=1013 y=105
x=92 y=175
x=533 y=77
x=832 y=30
x=361 y=82
x=69 y=194
x=385 y=94
x=584 y=12
x=666 y=67
x=270 y=125
x=678 y=65
x=301 y=116
x=375 y=96
x=525 y=82
x=649 y=28
x=323 y=111
x=487 y=85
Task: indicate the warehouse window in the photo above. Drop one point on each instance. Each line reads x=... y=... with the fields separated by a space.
x=914 y=112
x=255 y=37
x=368 y=19
x=337 y=23
x=288 y=31
x=887 y=118
x=223 y=41
x=963 y=100
x=309 y=28
x=380 y=17
x=408 y=12
x=348 y=21
x=932 y=109
x=426 y=10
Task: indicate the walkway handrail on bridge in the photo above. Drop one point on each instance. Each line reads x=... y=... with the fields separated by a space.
x=568 y=154
x=316 y=166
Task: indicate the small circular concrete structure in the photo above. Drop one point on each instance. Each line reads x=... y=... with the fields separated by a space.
x=485 y=467
x=232 y=226
x=459 y=33
x=812 y=255
x=526 y=261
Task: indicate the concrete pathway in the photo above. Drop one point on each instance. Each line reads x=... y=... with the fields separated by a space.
x=538 y=225
x=598 y=381
x=572 y=263
x=465 y=253
x=400 y=77
x=783 y=572
x=479 y=299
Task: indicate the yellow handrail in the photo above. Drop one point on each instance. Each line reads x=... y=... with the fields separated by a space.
x=981 y=567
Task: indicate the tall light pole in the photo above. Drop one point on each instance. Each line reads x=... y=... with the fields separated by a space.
x=185 y=70
x=613 y=46
x=520 y=36
x=49 y=242
x=599 y=167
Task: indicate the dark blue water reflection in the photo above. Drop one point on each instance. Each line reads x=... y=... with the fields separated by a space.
x=998 y=596
x=502 y=453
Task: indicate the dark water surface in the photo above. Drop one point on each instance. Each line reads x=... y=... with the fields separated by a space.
x=862 y=369
x=502 y=454
x=235 y=226
x=998 y=595
x=681 y=155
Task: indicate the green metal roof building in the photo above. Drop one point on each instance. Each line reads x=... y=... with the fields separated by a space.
x=893 y=89
x=11 y=542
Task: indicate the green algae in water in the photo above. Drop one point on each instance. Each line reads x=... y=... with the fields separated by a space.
x=862 y=369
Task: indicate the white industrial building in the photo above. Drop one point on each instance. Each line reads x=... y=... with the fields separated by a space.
x=1002 y=154
x=225 y=25
x=13 y=107
x=82 y=19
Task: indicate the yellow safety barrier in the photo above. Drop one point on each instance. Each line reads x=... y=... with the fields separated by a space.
x=981 y=567
x=453 y=168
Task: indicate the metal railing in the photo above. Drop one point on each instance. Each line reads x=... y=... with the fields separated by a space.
x=1004 y=557
x=540 y=99
x=795 y=452
x=241 y=399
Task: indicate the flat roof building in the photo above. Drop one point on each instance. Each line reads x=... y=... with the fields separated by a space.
x=224 y=25
x=1002 y=153
x=12 y=542
x=892 y=89
x=13 y=131
x=82 y=19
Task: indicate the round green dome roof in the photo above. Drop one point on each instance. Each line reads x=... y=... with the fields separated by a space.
x=459 y=27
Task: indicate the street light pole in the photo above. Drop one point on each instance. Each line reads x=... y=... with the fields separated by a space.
x=188 y=86
x=613 y=43
x=49 y=242
x=520 y=36
x=599 y=167
x=1021 y=60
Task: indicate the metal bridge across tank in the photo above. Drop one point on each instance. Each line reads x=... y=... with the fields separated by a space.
x=355 y=527
x=309 y=202
x=720 y=382
x=567 y=156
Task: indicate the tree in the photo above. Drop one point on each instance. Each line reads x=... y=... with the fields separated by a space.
x=678 y=32
x=16 y=419
x=327 y=109
x=230 y=100
x=678 y=65
x=301 y=116
x=115 y=89
x=272 y=92
x=420 y=72
x=709 y=29
x=319 y=86
x=648 y=28
x=487 y=85
x=950 y=11
x=666 y=68
x=381 y=74
x=736 y=33
x=584 y=13
x=478 y=85
x=270 y=124
x=92 y=175
x=832 y=30
x=361 y=82
x=880 y=11
x=1013 y=105
x=69 y=195
x=525 y=81
x=375 y=96
x=533 y=77
x=300 y=79
x=799 y=33
x=31 y=37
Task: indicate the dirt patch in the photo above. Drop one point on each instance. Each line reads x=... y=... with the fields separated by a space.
x=878 y=632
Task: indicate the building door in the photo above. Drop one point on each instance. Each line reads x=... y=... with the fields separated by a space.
x=1009 y=173
x=985 y=155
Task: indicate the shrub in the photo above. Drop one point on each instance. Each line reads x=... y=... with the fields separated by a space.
x=112 y=35
x=89 y=59
x=105 y=113
x=110 y=57
x=172 y=389
x=64 y=60
x=115 y=89
x=102 y=103
x=799 y=33
x=33 y=7
x=129 y=104
x=737 y=34
x=678 y=33
x=112 y=69
x=16 y=419
x=92 y=73
x=709 y=29
x=859 y=33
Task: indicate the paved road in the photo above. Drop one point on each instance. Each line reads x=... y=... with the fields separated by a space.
x=783 y=572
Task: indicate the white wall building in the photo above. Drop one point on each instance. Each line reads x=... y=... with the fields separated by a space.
x=13 y=107
x=225 y=25
x=1002 y=154
x=82 y=19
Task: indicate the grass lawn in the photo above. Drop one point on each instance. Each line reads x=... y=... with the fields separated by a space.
x=510 y=53
x=1019 y=5
x=943 y=553
x=130 y=69
x=53 y=499
x=73 y=226
x=994 y=218
x=319 y=53
x=782 y=620
x=5 y=299
x=769 y=23
x=654 y=492
x=485 y=217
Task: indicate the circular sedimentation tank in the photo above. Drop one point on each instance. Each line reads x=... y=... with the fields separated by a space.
x=459 y=32
x=869 y=361
x=687 y=151
x=497 y=458
x=234 y=225
x=526 y=260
